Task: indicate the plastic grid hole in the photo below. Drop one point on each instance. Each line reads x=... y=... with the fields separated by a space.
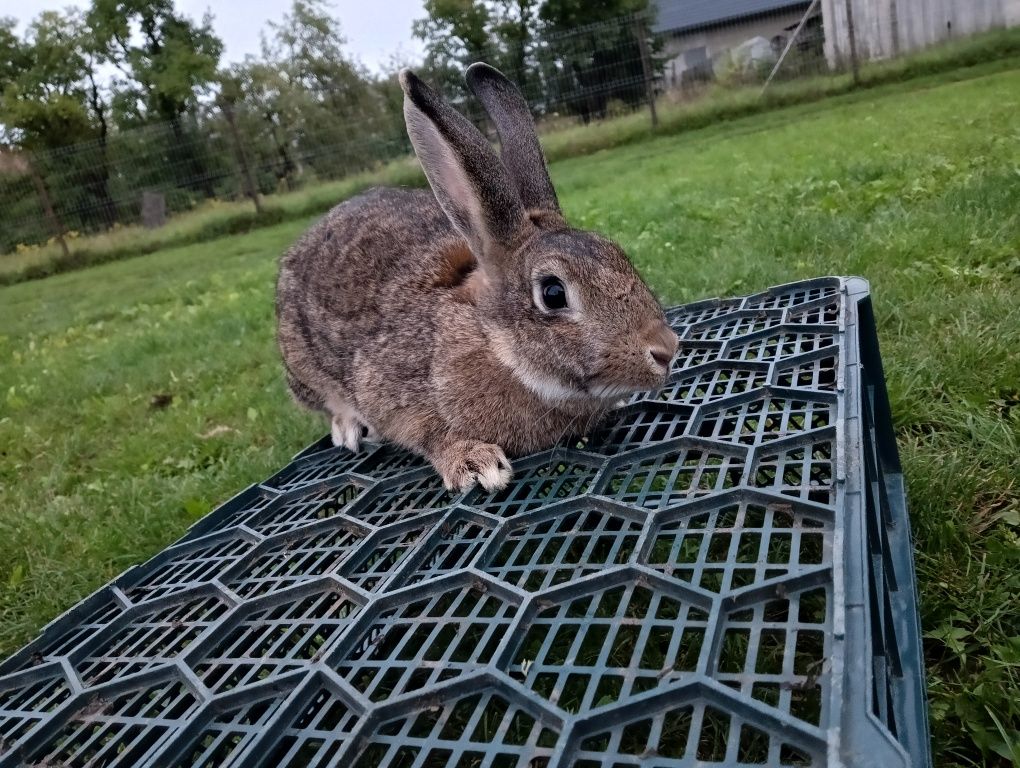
x=776 y=651
x=24 y=705
x=537 y=485
x=247 y=506
x=317 y=504
x=791 y=297
x=317 y=468
x=822 y=314
x=123 y=732
x=151 y=638
x=285 y=561
x=736 y=324
x=482 y=730
x=556 y=550
x=95 y=621
x=632 y=428
x=426 y=641
x=318 y=733
x=399 y=498
x=816 y=373
x=739 y=545
x=765 y=419
x=659 y=481
x=389 y=461
x=386 y=555
x=780 y=345
x=719 y=381
x=228 y=734
x=693 y=734
x=681 y=317
x=692 y=354
x=269 y=641
x=593 y=650
x=192 y=564
x=458 y=541
x=803 y=471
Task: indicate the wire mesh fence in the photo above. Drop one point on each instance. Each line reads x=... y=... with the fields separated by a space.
x=252 y=141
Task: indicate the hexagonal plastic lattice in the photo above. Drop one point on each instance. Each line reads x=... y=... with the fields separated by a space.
x=719 y=574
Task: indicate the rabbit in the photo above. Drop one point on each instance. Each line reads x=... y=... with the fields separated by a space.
x=468 y=323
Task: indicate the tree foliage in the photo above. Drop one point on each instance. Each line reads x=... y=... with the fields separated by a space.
x=170 y=118
x=44 y=102
x=567 y=55
x=166 y=60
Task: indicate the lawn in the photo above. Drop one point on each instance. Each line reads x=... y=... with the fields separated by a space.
x=135 y=396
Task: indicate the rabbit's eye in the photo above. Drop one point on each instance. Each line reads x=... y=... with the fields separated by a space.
x=554 y=293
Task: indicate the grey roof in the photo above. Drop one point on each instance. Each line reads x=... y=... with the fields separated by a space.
x=679 y=15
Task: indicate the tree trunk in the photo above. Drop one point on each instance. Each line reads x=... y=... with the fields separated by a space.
x=101 y=175
x=287 y=165
x=47 y=203
x=242 y=158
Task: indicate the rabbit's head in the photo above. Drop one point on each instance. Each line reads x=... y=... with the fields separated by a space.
x=564 y=309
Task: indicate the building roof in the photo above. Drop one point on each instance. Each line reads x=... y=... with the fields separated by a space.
x=681 y=15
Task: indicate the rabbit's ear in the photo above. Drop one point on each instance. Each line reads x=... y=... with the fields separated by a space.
x=468 y=179
x=520 y=149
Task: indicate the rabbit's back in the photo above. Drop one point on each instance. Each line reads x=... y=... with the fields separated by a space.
x=362 y=274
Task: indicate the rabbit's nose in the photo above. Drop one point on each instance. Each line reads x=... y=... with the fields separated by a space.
x=662 y=344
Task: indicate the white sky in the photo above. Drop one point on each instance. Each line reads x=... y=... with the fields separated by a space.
x=375 y=29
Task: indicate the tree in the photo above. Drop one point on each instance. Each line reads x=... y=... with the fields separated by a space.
x=51 y=99
x=593 y=54
x=267 y=113
x=44 y=99
x=166 y=66
x=455 y=33
x=567 y=15
x=14 y=55
x=514 y=29
x=324 y=102
x=458 y=33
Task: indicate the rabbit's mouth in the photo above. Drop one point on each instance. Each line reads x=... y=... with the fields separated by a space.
x=615 y=380
x=613 y=391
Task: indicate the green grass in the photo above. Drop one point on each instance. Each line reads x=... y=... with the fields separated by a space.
x=961 y=59
x=208 y=221
x=917 y=190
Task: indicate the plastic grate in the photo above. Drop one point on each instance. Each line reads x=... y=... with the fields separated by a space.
x=612 y=642
x=128 y=728
x=315 y=736
x=294 y=557
x=229 y=733
x=720 y=574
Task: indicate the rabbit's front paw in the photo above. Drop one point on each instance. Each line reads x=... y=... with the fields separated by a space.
x=466 y=462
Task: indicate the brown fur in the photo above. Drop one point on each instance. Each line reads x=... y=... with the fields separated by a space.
x=420 y=322
x=457 y=265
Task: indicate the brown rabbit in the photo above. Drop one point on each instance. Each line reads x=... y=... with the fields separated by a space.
x=469 y=322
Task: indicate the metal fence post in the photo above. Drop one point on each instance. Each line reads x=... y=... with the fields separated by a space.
x=242 y=158
x=641 y=30
x=852 y=36
x=789 y=44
